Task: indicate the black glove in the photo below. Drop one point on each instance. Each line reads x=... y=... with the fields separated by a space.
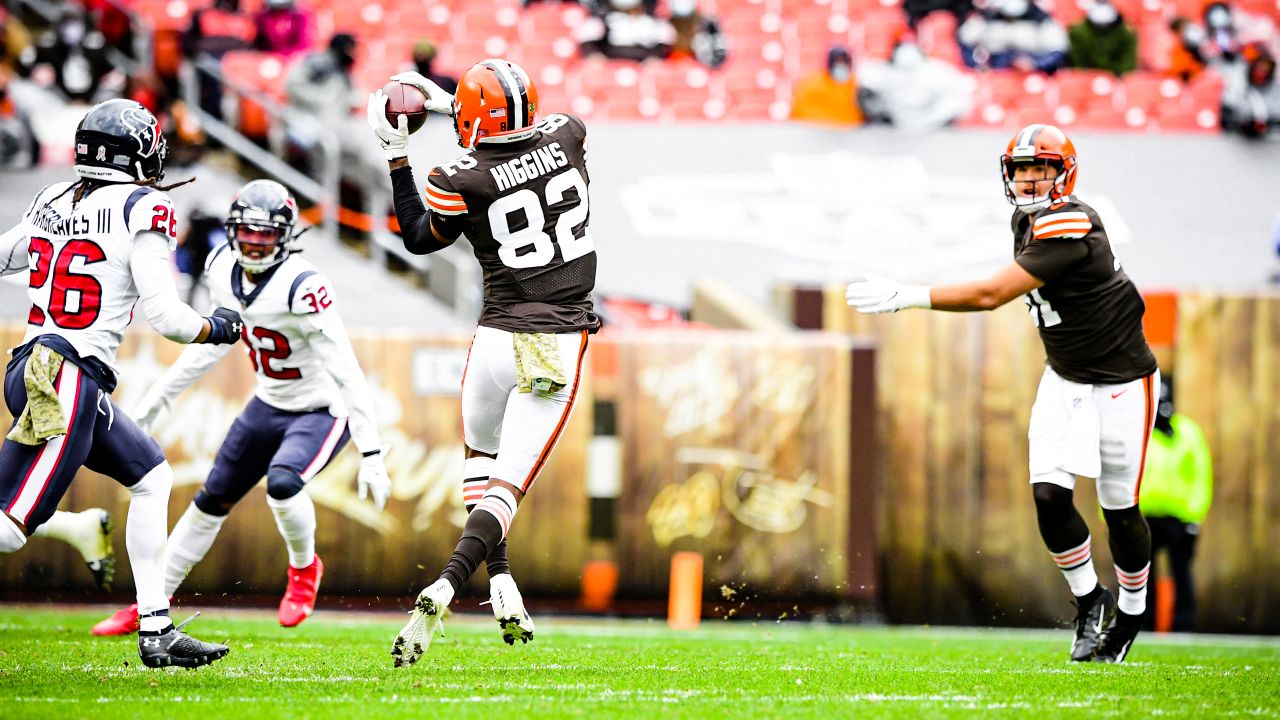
x=224 y=327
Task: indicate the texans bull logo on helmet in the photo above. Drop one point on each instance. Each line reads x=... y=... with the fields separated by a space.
x=143 y=127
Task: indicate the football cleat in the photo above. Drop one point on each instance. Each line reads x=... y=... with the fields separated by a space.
x=300 y=597
x=93 y=539
x=122 y=622
x=508 y=609
x=1118 y=638
x=172 y=647
x=1092 y=621
x=425 y=618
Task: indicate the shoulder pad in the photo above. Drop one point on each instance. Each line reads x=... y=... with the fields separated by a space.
x=310 y=292
x=147 y=209
x=442 y=197
x=1064 y=220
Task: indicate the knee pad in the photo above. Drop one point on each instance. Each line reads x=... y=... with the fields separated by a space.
x=12 y=539
x=283 y=483
x=210 y=504
x=1052 y=501
x=1116 y=496
x=158 y=479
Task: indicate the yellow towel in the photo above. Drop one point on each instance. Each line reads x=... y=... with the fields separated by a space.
x=538 y=365
x=42 y=418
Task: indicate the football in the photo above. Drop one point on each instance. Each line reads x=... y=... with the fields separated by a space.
x=405 y=100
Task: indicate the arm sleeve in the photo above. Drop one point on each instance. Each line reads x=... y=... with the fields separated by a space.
x=328 y=336
x=14 y=255
x=416 y=221
x=195 y=361
x=153 y=277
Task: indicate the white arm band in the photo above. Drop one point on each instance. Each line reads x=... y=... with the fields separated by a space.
x=331 y=342
x=152 y=275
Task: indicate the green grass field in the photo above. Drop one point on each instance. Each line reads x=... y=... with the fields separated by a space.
x=337 y=666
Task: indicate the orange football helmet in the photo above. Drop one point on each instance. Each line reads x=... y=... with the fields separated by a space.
x=495 y=102
x=1040 y=144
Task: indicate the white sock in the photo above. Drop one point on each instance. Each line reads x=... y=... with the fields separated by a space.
x=62 y=526
x=144 y=537
x=1076 y=565
x=296 y=518
x=1133 y=590
x=188 y=544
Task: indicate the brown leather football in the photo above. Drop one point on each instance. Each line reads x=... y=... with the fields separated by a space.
x=405 y=100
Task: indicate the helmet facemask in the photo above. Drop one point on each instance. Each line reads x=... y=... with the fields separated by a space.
x=257 y=245
x=1020 y=172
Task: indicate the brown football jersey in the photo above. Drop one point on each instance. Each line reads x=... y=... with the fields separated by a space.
x=1089 y=313
x=524 y=207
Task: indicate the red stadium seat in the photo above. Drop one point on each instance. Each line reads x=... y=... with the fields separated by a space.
x=1203 y=120
x=1151 y=90
x=1085 y=88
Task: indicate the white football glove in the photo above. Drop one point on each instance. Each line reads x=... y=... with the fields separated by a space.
x=148 y=412
x=394 y=139
x=373 y=480
x=882 y=295
x=438 y=101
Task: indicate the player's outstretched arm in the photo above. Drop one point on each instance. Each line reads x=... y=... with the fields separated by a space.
x=161 y=305
x=881 y=295
x=13 y=250
x=194 y=362
x=328 y=337
x=1010 y=282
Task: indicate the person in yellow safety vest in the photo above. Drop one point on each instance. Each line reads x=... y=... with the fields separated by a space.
x=1176 y=491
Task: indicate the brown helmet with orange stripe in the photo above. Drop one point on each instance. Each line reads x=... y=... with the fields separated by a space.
x=496 y=102
x=1043 y=145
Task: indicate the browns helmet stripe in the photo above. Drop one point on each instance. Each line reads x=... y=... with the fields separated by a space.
x=509 y=87
x=1029 y=134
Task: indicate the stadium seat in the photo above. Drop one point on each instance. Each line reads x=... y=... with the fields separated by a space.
x=1189 y=120
x=1085 y=88
x=1151 y=90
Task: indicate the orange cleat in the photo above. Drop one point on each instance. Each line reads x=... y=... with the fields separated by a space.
x=300 y=597
x=121 y=622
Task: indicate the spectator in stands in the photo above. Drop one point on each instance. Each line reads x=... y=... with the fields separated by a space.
x=1187 y=58
x=320 y=87
x=626 y=31
x=16 y=41
x=19 y=148
x=1103 y=41
x=1275 y=242
x=205 y=232
x=110 y=18
x=424 y=58
x=1222 y=37
x=1175 y=495
x=917 y=9
x=283 y=28
x=76 y=53
x=219 y=29
x=1251 y=94
x=914 y=92
x=698 y=36
x=215 y=31
x=831 y=94
x=1016 y=34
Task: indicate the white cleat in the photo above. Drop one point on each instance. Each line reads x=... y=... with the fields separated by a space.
x=508 y=609
x=425 y=618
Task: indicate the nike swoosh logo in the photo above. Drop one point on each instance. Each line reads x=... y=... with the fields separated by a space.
x=1115 y=395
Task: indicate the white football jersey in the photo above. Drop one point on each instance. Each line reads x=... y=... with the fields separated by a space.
x=81 y=285
x=279 y=315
